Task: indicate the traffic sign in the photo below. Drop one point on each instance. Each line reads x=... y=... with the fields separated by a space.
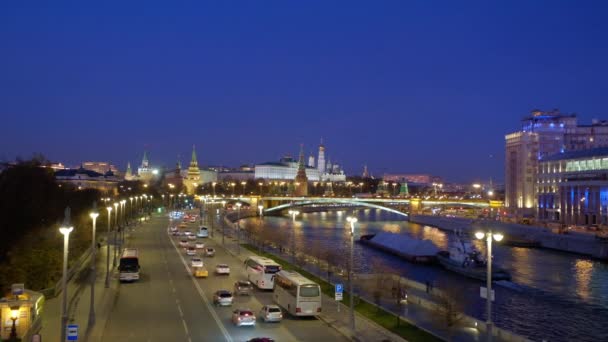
x=72 y=332
x=339 y=296
x=339 y=288
x=483 y=293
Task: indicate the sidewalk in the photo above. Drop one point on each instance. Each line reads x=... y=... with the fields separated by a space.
x=79 y=297
x=366 y=330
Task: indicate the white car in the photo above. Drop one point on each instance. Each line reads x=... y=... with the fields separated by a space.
x=191 y=237
x=196 y=262
x=209 y=251
x=222 y=269
x=183 y=243
x=190 y=251
x=187 y=233
x=199 y=245
x=271 y=313
x=243 y=317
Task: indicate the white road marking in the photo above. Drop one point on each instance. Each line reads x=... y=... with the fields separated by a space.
x=203 y=296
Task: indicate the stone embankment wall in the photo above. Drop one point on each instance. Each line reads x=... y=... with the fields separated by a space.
x=574 y=242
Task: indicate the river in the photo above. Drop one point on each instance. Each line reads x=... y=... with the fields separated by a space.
x=559 y=296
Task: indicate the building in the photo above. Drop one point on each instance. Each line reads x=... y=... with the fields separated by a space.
x=192 y=178
x=543 y=134
x=573 y=187
x=145 y=172
x=419 y=179
x=301 y=181
x=100 y=167
x=239 y=175
x=82 y=178
x=285 y=169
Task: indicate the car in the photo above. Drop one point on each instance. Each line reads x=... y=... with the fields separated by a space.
x=243 y=287
x=190 y=251
x=261 y=339
x=191 y=237
x=187 y=233
x=199 y=245
x=209 y=251
x=222 y=298
x=196 y=262
x=175 y=233
x=200 y=272
x=172 y=228
x=193 y=219
x=183 y=243
x=222 y=269
x=242 y=317
x=271 y=313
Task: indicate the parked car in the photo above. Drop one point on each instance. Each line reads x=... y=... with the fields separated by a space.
x=243 y=287
x=271 y=313
x=222 y=298
x=209 y=251
x=222 y=269
x=242 y=317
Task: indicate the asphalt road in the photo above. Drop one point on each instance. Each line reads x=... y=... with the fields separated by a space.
x=168 y=304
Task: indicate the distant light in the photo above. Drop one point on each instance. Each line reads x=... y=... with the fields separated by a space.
x=155 y=171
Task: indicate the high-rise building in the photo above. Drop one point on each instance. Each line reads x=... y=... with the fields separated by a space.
x=543 y=133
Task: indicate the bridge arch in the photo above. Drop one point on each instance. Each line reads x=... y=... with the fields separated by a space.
x=334 y=200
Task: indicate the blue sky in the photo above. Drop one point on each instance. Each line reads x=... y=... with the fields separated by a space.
x=403 y=86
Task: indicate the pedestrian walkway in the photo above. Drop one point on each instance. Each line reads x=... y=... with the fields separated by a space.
x=366 y=330
x=79 y=299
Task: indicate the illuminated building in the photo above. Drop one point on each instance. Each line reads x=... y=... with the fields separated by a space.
x=192 y=178
x=573 y=187
x=419 y=179
x=284 y=169
x=145 y=173
x=101 y=167
x=82 y=178
x=543 y=134
x=301 y=180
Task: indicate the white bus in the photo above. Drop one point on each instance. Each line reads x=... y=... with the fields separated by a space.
x=261 y=271
x=203 y=232
x=296 y=294
x=129 y=265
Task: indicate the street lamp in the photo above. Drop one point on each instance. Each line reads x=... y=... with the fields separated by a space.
x=243 y=187
x=261 y=209
x=260 y=184
x=213 y=186
x=352 y=220
x=93 y=216
x=122 y=230
x=131 y=207
x=232 y=185
x=14 y=316
x=115 y=231
x=238 y=227
x=488 y=236
x=65 y=230
x=109 y=209
x=222 y=221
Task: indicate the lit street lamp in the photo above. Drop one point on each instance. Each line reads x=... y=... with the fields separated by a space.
x=93 y=216
x=222 y=221
x=488 y=236
x=238 y=227
x=352 y=220
x=115 y=231
x=261 y=209
x=65 y=230
x=109 y=209
x=14 y=316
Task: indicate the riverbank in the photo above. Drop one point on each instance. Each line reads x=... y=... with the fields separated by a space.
x=578 y=243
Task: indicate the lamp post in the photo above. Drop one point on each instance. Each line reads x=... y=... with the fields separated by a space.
x=93 y=216
x=213 y=186
x=232 y=185
x=261 y=209
x=489 y=236
x=260 y=184
x=115 y=232
x=131 y=208
x=14 y=316
x=243 y=187
x=123 y=225
x=293 y=214
x=222 y=221
x=109 y=209
x=352 y=220
x=238 y=227
x=65 y=229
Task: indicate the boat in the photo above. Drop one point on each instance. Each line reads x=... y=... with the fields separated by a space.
x=404 y=246
x=462 y=257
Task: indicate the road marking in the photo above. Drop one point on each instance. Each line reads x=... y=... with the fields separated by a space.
x=202 y=295
x=179 y=308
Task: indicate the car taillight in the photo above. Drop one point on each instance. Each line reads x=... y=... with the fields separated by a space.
x=318 y=309
x=262 y=283
x=298 y=310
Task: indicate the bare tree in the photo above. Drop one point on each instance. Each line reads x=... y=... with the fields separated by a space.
x=449 y=306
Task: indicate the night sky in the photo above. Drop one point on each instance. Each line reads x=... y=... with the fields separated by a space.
x=404 y=86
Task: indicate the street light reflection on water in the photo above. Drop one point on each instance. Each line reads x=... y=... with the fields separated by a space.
x=569 y=288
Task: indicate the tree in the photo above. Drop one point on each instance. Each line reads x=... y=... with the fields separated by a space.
x=449 y=306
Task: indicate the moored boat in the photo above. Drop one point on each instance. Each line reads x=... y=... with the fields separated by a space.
x=404 y=246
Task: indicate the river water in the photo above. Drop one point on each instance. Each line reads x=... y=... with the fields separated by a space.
x=558 y=296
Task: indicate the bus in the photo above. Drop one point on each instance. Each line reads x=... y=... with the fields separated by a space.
x=296 y=294
x=129 y=265
x=203 y=232
x=260 y=271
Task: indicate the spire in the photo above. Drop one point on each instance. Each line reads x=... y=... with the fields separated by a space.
x=145 y=161
x=179 y=162
x=194 y=154
x=301 y=165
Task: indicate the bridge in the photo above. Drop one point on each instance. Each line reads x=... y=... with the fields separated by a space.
x=393 y=205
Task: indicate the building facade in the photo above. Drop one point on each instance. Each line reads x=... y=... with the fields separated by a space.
x=82 y=178
x=573 y=187
x=543 y=133
x=100 y=167
x=285 y=169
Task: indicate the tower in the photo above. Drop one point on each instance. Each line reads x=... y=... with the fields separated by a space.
x=129 y=172
x=144 y=162
x=321 y=159
x=301 y=178
x=311 y=161
x=178 y=167
x=193 y=176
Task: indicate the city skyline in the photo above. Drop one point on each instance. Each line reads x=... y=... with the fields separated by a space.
x=398 y=87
